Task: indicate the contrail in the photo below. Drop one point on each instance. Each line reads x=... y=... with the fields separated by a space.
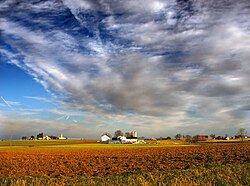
x=60 y=118
x=63 y=117
x=7 y=103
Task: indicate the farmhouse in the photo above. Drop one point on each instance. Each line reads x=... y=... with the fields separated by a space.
x=105 y=138
x=130 y=137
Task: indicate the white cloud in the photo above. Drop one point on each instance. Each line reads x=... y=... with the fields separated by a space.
x=40 y=99
x=65 y=113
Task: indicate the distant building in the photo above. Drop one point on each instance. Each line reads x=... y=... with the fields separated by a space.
x=46 y=138
x=122 y=139
x=105 y=138
x=201 y=137
x=239 y=136
x=132 y=140
x=61 y=137
x=115 y=140
x=53 y=137
x=134 y=134
x=130 y=137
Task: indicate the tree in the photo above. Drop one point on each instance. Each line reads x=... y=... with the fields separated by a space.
x=195 y=138
x=128 y=134
x=188 y=136
x=178 y=136
x=24 y=138
x=32 y=137
x=212 y=136
x=39 y=136
x=242 y=133
x=118 y=133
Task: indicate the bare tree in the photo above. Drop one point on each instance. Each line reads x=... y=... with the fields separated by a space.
x=24 y=138
x=242 y=133
x=212 y=136
x=188 y=136
x=128 y=134
x=178 y=136
x=118 y=133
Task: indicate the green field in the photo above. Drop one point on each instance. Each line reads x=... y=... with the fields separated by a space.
x=74 y=144
x=14 y=143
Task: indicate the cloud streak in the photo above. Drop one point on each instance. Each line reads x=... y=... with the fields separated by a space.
x=7 y=103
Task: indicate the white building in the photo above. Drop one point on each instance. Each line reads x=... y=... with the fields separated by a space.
x=132 y=140
x=46 y=138
x=61 y=137
x=134 y=134
x=105 y=138
x=123 y=139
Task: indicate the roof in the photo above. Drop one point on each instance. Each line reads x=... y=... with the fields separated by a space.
x=132 y=138
x=105 y=135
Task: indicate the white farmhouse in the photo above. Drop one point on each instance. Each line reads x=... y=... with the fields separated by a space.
x=105 y=138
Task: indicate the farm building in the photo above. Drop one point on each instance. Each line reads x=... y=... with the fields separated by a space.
x=123 y=139
x=131 y=139
x=105 y=138
x=53 y=137
x=119 y=139
x=134 y=134
x=115 y=140
x=61 y=137
x=201 y=137
x=46 y=138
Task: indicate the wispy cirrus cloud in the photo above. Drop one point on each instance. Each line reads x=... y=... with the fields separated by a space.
x=42 y=99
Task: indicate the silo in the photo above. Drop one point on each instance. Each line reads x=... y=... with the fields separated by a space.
x=134 y=134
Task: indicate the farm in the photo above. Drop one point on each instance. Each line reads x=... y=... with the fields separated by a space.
x=140 y=165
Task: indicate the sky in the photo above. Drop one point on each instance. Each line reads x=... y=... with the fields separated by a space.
x=159 y=67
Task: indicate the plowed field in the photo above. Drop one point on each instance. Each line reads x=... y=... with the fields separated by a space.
x=79 y=163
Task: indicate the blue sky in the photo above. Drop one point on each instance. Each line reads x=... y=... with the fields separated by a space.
x=85 y=67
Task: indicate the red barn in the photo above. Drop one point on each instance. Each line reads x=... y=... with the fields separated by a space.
x=201 y=137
